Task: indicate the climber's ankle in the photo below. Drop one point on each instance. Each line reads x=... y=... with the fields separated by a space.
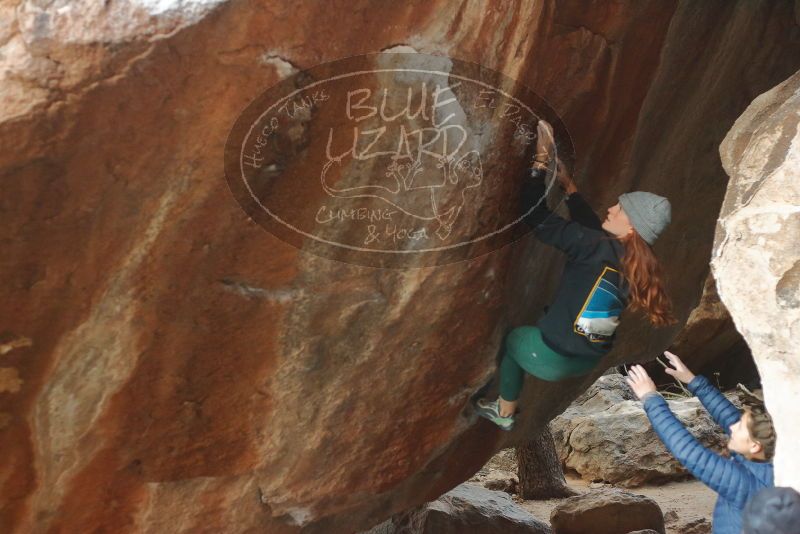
x=506 y=408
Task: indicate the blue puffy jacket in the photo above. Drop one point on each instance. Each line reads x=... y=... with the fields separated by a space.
x=735 y=479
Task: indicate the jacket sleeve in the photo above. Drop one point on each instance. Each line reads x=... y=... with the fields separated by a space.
x=721 y=409
x=532 y=202
x=575 y=240
x=731 y=480
x=581 y=212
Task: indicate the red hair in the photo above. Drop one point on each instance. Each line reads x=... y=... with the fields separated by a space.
x=644 y=276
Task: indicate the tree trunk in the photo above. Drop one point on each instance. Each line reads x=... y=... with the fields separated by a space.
x=539 y=469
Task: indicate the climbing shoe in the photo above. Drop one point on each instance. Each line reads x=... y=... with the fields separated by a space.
x=491 y=411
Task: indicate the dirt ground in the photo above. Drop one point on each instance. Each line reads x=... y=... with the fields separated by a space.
x=687 y=505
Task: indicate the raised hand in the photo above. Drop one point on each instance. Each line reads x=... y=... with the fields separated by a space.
x=545 y=144
x=678 y=369
x=640 y=382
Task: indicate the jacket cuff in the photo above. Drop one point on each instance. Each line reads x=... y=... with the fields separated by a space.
x=696 y=383
x=650 y=397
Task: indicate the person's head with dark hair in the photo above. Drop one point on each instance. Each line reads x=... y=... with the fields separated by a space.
x=772 y=511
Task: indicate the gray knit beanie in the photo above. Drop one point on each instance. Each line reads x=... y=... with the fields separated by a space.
x=649 y=214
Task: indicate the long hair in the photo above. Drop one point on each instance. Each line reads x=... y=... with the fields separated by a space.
x=644 y=277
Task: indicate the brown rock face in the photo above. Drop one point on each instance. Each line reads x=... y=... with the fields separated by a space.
x=189 y=372
x=756 y=254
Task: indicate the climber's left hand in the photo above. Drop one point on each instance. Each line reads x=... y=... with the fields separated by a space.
x=640 y=382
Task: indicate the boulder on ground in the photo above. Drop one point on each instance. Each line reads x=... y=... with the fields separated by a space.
x=694 y=525
x=466 y=508
x=499 y=473
x=504 y=484
x=606 y=436
x=607 y=512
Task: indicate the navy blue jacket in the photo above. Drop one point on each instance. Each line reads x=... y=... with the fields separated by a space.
x=584 y=313
x=735 y=479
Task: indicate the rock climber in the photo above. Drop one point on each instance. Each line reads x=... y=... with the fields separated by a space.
x=751 y=442
x=610 y=266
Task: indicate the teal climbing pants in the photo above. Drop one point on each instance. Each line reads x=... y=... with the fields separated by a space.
x=525 y=351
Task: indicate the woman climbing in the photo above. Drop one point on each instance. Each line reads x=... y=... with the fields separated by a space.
x=610 y=265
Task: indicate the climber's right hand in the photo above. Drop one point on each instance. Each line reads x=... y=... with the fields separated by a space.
x=565 y=179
